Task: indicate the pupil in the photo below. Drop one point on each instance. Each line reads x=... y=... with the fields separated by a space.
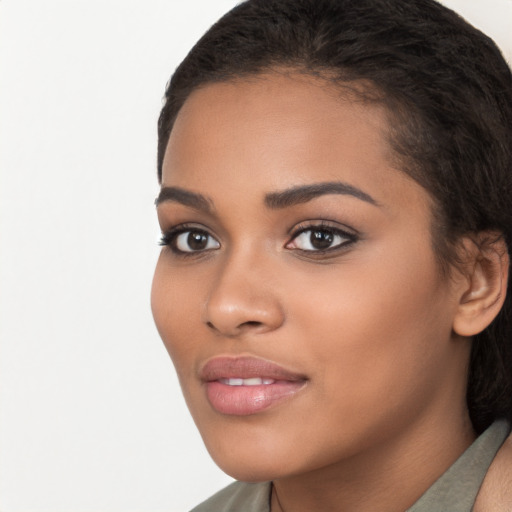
x=197 y=241
x=321 y=239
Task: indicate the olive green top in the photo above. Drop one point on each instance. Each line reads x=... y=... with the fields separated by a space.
x=454 y=491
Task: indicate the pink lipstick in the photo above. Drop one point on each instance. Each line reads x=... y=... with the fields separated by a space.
x=246 y=385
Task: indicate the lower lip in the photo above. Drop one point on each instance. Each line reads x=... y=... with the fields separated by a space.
x=246 y=400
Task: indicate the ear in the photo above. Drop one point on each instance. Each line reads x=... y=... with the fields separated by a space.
x=482 y=292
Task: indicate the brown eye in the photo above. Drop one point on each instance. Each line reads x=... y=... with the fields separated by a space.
x=316 y=239
x=321 y=239
x=195 y=240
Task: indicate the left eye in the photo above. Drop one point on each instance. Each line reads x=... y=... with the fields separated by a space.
x=319 y=239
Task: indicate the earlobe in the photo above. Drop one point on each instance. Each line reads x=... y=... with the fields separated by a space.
x=485 y=287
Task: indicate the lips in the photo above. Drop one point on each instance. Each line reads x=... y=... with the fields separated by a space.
x=246 y=385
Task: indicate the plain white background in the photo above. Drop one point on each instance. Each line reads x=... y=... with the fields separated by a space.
x=91 y=416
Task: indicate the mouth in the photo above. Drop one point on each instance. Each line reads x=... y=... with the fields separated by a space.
x=253 y=381
x=242 y=386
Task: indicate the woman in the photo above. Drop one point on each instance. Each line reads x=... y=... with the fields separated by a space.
x=336 y=226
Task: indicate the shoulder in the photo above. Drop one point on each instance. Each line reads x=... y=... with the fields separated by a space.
x=238 y=496
x=496 y=491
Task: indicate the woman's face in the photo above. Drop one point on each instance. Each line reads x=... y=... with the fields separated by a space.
x=298 y=294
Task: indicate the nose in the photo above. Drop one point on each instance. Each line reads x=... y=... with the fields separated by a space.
x=242 y=299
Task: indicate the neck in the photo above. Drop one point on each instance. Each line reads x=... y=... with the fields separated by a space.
x=374 y=480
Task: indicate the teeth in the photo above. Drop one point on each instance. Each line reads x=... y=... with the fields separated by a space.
x=254 y=381
x=234 y=382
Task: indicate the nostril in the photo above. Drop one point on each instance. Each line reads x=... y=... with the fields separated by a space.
x=251 y=323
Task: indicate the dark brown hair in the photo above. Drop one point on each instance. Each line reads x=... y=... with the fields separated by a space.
x=448 y=91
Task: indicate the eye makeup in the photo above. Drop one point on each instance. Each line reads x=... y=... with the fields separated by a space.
x=188 y=239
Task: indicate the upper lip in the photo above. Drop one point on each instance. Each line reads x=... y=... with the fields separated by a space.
x=245 y=367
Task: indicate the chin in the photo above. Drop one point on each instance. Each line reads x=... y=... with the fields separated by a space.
x=250 y=459
x=252 y=470
x=248 y=474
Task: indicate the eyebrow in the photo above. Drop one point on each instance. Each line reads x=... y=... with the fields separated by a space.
x=273 y=200
x=305 y=193
x=184 y=197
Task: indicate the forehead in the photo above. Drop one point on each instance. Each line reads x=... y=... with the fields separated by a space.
x=275 y=112
x=281 y=99
x=273 y=131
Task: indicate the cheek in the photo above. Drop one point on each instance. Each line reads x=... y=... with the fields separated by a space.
x=377 y=325
x=174 y=305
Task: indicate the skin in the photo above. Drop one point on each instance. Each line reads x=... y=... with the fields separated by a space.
x=370 y=324
x=496 y=491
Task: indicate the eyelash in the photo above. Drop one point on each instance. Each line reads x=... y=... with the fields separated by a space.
x=325 y=228
x=170 y=239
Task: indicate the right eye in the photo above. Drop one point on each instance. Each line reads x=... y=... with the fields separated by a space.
x=191 y=240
